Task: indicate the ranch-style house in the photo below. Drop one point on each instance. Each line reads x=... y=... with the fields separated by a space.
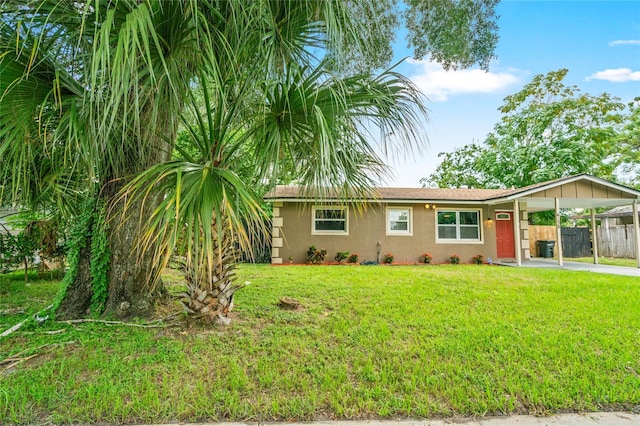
x=410 y=221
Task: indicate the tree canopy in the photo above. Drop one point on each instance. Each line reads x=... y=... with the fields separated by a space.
x=94 y=93
x=548 y=130
x=628 y=142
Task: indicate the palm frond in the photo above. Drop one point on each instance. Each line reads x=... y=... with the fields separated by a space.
x=326 y=124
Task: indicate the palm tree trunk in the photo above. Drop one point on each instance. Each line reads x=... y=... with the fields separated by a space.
x=211 y=288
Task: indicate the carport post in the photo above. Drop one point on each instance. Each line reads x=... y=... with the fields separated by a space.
x=636 y=227
x=516 y=231
x=558 y=232
x=594 y=236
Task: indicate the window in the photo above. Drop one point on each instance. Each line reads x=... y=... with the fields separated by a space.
x=329 y=220
x=459 y=225
x=399 y=221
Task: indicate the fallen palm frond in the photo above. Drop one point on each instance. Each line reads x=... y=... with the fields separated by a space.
x=36 y=317
x=154 y=324
x=20 y=357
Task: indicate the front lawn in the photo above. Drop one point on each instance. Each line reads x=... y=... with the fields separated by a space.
x=370 y=341
x=614 y=261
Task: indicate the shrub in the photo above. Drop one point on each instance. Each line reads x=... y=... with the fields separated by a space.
x=426 y=257
x=315 y=255
x=478 y=259
x=388 y=258
x=16 y=250
x=341 y=255
x=454 y=259
x=353 y=258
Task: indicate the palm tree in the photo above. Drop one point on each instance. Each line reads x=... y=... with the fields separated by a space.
x=311 y=120
x=93 y=93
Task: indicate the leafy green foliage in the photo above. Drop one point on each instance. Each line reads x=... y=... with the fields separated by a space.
x=341 y=256
x=369 y=46
x=94 y=94
x=16 y=250
x=455 y=33
x=548 y=130
x=100 y=261
x=459 y=169
x=315 y=255
x=628 y=141
x=76 y=242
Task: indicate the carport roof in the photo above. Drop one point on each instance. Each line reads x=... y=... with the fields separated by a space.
x=579 y=191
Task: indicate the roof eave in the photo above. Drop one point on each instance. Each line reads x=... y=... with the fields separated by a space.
x=377 y=201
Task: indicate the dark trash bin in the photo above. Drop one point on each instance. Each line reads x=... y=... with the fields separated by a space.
x=545 y=248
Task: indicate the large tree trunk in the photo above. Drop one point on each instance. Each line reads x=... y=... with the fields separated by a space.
x=132 y=291
x=77 y=299
x=130 y=288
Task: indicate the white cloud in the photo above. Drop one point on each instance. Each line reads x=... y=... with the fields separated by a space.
x=618 y=75
x=439 y=84
x=623 y=42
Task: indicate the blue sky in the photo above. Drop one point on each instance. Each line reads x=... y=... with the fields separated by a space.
x=597 y=41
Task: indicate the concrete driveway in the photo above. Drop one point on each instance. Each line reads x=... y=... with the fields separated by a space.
x=577 y=266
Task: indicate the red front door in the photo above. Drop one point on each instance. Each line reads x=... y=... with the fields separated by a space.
x=505 y=242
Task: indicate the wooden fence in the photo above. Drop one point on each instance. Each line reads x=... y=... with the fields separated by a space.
x=576 y=242
x=539 y=232
x=613 y=241
x=616 y=241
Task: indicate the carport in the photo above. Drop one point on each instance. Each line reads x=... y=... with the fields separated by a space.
x=574 y=192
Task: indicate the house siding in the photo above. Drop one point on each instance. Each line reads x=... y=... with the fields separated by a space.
x=367 y=228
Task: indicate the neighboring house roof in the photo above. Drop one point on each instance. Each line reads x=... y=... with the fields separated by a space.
x=621 y=211
x=489 y=196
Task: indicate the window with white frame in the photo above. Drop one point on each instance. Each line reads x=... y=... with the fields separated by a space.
x=329 y=220
x=458 y=225
x=399 y=221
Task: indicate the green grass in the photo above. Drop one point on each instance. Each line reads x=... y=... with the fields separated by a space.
x=376 y=341
x=632 y=263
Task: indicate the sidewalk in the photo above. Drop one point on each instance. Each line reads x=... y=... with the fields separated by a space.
x=571 y=419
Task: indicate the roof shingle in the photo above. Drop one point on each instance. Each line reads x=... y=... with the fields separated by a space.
x=417 y=194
